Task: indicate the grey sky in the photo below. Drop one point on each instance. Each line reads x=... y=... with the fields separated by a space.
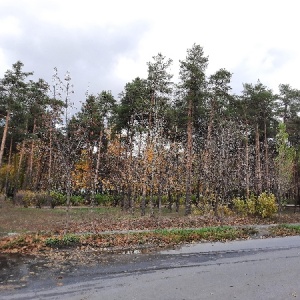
x=105 y=44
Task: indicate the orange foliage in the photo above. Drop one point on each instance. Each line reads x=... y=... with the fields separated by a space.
x=81 y=173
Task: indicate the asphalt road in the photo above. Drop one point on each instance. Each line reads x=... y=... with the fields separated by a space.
x=253 y=269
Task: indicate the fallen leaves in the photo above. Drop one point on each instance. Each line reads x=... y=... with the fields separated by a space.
x=92 y=232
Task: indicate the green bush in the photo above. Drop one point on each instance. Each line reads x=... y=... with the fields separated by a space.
x=57 y=198
x=264 y=205
x=245 y=207
x=41 y=198
x=77 y=200
x=28 y=198
x=104 y=199
x=240 y=206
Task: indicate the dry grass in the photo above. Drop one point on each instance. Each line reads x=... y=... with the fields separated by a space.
x=99 y=219
x=44 y=227
x=19 y=219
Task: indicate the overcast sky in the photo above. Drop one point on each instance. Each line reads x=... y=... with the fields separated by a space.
x=105 y=44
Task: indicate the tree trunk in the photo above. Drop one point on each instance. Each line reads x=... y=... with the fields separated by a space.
x=159 y=198
x=267 y=175
x=96 y=175
x=7 y=118
x=258 y=162
x=17 y=179
x=9 y=168
x=144 y=195
x=189 y=160
x=29 y=180
x=207 y=150
x=50 y=160
x=170 y=200
x=247 y=167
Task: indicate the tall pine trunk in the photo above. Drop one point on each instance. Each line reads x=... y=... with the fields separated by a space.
x=9 y=168
x=7 y=118
x=29 y=180
x=96 y=175
x=257 y=162
x=247 y=167
x=188 y=188
x=267 y=175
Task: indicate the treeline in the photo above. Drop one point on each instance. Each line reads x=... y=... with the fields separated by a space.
x=159 y=143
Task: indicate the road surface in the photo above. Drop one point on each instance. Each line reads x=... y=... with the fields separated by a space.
x=252 y=269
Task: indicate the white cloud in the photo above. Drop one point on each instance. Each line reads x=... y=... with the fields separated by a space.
x=10 y=26
x=108 y=43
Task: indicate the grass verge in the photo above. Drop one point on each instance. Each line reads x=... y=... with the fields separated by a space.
x=285 y=230
x=29 y=243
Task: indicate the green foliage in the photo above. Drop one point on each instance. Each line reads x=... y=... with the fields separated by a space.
x=293 y=227
x=57 y=198
x=206 y=233
x=67 y=240
x=244 y=207
x=264 y=205
x=41 y=198
x=104 y=199
x=77 y=200
x=284 y=160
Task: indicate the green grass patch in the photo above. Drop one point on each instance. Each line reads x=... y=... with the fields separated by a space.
x=209 y=233
x=165 y=237
x=286 y=230
x=160 y=237
x=292 y=227
x=97 y=210
x=67 y=240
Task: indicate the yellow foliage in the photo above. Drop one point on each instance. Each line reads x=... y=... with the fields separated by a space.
x=149 y=154
x=81 y=173
x=107 y=185
x=265 y=205
x=115 y=148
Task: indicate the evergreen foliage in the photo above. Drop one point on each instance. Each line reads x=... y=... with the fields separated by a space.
x=194 y=143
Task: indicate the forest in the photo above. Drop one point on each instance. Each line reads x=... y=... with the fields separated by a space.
x=165 y=142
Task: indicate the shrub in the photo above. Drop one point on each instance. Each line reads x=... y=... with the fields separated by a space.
x=104 y=199
x=28 y=198
x=41 y=198
x=240 y=206
x=203 y=209
x=225 y=210
x=57 y=198
x=244 y=207
x=77 y=200
x=264 y=206
x=164 y=199
x=25 y=198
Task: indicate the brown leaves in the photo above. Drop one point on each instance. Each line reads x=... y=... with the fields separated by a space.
x=112 y=231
